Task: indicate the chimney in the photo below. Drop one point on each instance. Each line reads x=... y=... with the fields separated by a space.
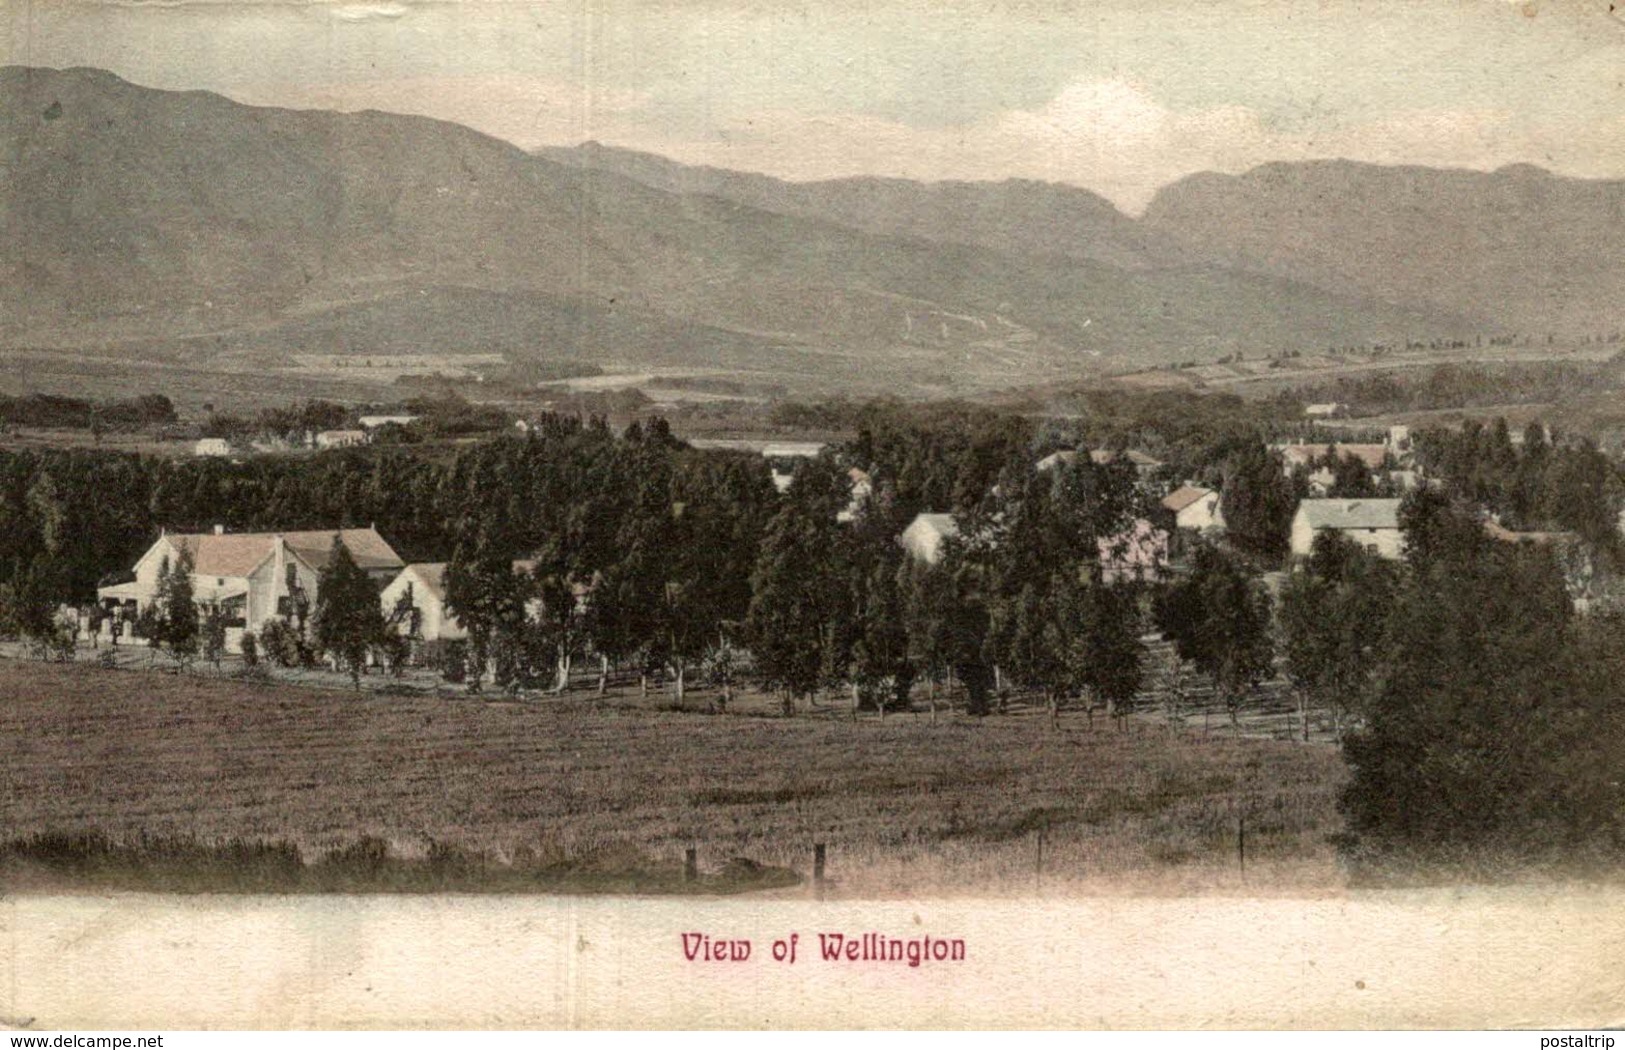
x=219 y=530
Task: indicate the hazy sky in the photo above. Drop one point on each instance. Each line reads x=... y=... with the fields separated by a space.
x=1119 y=96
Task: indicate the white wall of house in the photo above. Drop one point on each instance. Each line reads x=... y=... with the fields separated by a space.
x=435 y=623
x=1385 y=543
x=923 y=539
x=266 y=585
x=1202 y=514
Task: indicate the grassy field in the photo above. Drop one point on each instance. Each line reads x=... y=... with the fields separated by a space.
x=904 y=805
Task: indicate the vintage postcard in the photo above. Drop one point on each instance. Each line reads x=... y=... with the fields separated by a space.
x=812 y=514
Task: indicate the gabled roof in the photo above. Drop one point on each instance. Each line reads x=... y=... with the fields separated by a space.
x=1100 y=457
x=1133 y=455
x=1371 y=455
x=365 y=545
x=240 y=553
x=228 y=555
x=1350 y=513
x=433 y=576
x=1184 y=496
x=1499 y=532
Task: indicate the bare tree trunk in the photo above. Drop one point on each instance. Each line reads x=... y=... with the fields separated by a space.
x=854 y=701
x=603 y=675
x=1054 y=711
x=678 y=679
x=561 y=680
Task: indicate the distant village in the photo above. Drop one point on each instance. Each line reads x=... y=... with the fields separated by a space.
x=1446 y=603
x=256 y=578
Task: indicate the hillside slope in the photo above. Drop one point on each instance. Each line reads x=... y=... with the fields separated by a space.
x=151 y=223
x=1531 y=250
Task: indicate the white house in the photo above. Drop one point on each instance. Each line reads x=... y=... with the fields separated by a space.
x=371 y=423
x=253 y=577
x=863 y=487
x=1325 y=410
x=1142 y=463
x=925 y=535
x=1194 y=507
x=1138 y=552
x=792 y=449
x=1371 y=523
x=340 y=438
x=414 y=602
x=212 y=447
x=1056 y=459
x=1304 y=454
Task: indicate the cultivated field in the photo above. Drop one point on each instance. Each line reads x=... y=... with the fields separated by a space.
x=904 y=805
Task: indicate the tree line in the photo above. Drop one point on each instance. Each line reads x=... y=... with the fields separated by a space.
x=77 y=413
x=1476 y=708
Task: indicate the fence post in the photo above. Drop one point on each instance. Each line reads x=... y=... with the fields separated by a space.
x=1241 y=844
x=691 y=865
x=818 y=869
x=1038 y=863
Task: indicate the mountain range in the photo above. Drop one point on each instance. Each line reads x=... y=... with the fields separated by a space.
x=158 y=226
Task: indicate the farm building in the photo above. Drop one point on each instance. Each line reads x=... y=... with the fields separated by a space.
x=414 y=602
x=212 y=447
x=925 y=535
x=371 y=423
x=1325 y=410
x=1194 y=507
x=863 y=486
x=253 y=577
x=1496 y=531
x=1056 y=459
x=1371 y=523
x=792 y=449
x=1143 y=464
x=1306 y=454
x=340 y=438
x=1138 y=552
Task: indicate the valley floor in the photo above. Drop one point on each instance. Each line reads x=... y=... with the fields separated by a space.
x=960 y=806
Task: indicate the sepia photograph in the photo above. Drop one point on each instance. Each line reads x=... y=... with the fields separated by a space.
x=812 y=514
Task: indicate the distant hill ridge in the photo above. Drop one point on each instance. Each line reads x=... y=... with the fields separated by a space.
x=149 y=223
